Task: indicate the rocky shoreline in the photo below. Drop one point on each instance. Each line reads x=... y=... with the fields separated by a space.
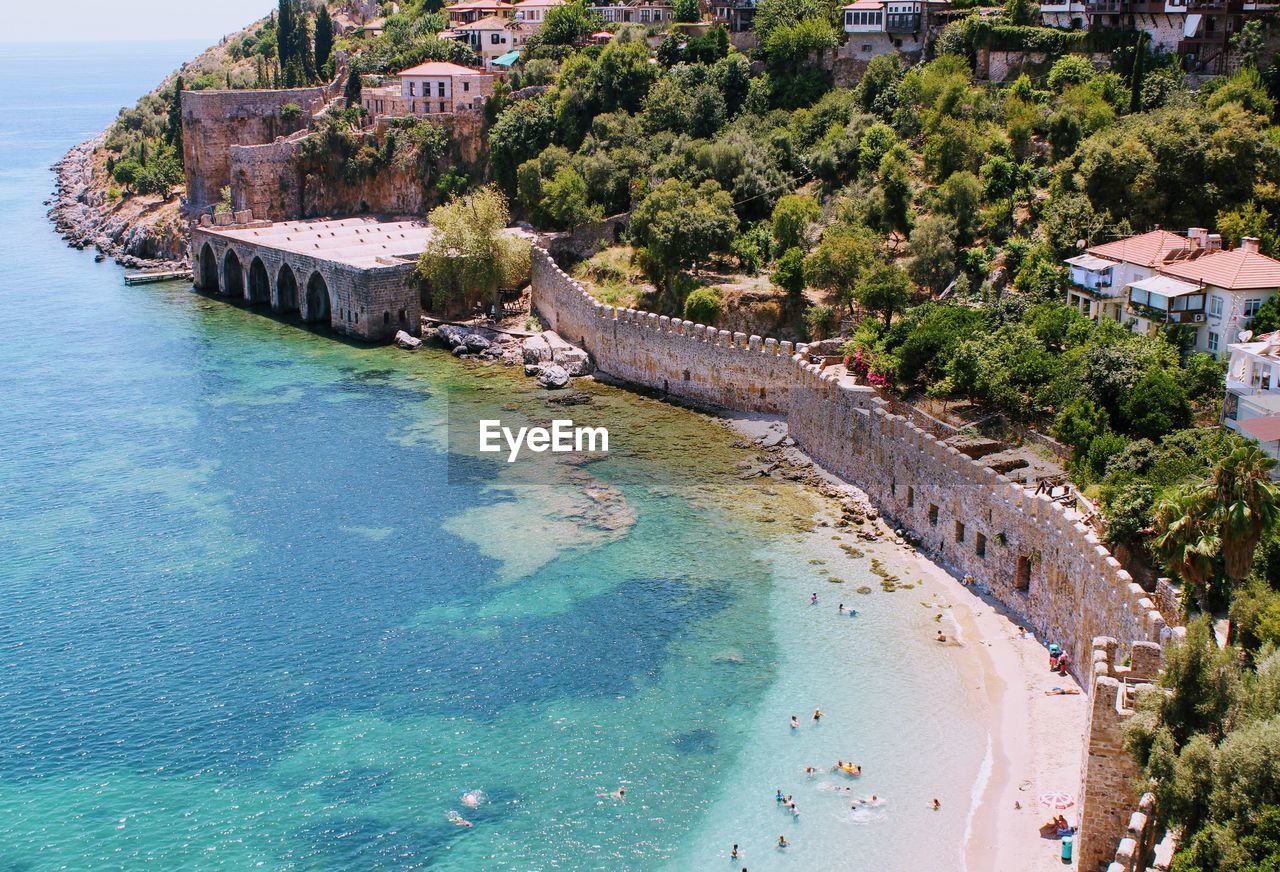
x=147 y=235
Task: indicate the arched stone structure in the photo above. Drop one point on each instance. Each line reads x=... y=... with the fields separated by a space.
x=232 y=275
x=316 y=305
x=286 y=298
x=259 y=283
x=208 y=274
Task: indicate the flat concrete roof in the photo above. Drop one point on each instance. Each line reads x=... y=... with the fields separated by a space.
x=365 y=243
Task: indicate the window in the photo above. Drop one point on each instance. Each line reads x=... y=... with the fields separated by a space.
x=494 y=39
x=959 y=531
x=1022 y=579
x=1262 y=377
x=411 y=87
x=933 y=515
x=1215 y=306
x=466 y=86
x=442 y=107
x=1212 y=342
x=1251 y=306
x=439 y=89
x=980 y=544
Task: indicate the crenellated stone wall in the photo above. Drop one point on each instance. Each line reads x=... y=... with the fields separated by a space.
x=1029 y=552
x=213 y=121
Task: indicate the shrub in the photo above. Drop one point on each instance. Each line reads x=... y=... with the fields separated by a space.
x=703 y=306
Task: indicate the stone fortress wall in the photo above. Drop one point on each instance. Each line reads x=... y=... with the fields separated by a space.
x=1027 y=551
x=368 y=303
x=213 y=121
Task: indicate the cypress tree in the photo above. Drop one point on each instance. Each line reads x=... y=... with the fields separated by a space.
x=352 y=90
x=285 y=29
x=173 y=133
x=324 y=38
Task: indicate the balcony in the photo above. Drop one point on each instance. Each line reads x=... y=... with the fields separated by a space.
x=902 y=23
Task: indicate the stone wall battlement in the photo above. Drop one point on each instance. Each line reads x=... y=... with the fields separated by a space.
x=1030 y=552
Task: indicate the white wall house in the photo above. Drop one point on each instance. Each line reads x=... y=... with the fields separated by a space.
x=1159 y=278
x=1252 y=406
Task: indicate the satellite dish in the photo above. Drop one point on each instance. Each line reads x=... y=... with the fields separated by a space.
x=1245 y=335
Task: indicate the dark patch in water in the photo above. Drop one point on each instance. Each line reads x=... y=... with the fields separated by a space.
x=696 y=742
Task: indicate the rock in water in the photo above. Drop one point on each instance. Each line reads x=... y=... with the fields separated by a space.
x=475 y=342
x=567 y=355
x=404 y=340
x=535 y=350
x=553 y=376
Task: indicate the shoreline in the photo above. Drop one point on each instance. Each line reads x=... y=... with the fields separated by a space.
x=84 y=218
x=1035 y=741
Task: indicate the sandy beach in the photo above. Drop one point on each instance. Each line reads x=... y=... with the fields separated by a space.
x=1035 y=740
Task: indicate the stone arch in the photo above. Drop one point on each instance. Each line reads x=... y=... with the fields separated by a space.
x=317 y=302
x=286 y=290
x=208 y=269
x=232 y=275
x=259 y=282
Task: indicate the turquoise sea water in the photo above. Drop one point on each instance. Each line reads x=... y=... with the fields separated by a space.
x=246 y=621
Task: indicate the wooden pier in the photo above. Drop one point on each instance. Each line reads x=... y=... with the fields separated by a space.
x=156 y=275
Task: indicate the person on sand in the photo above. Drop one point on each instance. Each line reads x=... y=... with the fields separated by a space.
x=795 y=722
x=1022 y=632
x=941 y=637
x=936 y=805
x=783 y=843
x=817 y=715
x=1062 y=663
x=1062 y=691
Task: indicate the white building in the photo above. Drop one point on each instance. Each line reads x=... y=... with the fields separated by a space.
x=429 y=89
x=877 y=27
x=1252 y=406
x=1160 y=278
x=534 y=11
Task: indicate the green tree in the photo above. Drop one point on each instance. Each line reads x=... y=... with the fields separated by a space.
x=1020 y=12
x=789 y=273
x=324 y=38
x=895 y=187
x=471 y=257
x=1245 y=504
x=1078 y=424
x=568 y=24
x=959 y=198
x=623 y=75
x=351 y=92
x=1268 y=318
x=933 y=252
x=565 y=199
x=687 y=11
x=703 y=306
x=1070 y=70
x=1249 y=219
x=678 y=225
x=845 y=254
x=1249 y=43
x=885 y=291
x=792 y=216
x=820 y=321
x=1156 y=405
x=173 y=122
x=1186 y=539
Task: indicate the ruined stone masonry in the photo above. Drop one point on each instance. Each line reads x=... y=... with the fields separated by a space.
x=1029 y=552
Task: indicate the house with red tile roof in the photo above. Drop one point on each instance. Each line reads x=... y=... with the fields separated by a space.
x=433 y=88
x=1252 y=406
x=1160 y=278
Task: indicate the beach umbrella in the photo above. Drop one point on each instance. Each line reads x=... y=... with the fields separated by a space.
x=1057 y=800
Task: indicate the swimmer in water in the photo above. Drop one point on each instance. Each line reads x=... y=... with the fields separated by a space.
x=936 y=805
x=620 y=794
x=942 y=637
x=458 y=820
x=783 y=843
x=795 y=722
x=813 y=600
x=817 y=715
x=810 y=771
x=840 y=608
x=778 y=795
x=733 y=855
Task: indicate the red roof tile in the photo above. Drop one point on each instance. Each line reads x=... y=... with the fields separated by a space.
x=1238 y=269
x=1145 y=249
x=441 y=68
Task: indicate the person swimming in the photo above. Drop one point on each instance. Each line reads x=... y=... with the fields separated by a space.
x=457 y=820
x=817 y=715
x=813 y=600
x=783 y=843
x=936 y=805
x=840 y=608
x=795 y=722
x=777 y=796
x=733 y=855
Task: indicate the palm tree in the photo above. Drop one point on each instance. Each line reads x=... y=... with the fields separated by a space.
x=1187 y=539
x=1245 y=506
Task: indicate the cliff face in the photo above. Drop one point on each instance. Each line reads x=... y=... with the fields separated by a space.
x=138 y=231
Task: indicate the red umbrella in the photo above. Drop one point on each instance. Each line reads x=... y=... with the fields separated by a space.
x=1057 y=800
